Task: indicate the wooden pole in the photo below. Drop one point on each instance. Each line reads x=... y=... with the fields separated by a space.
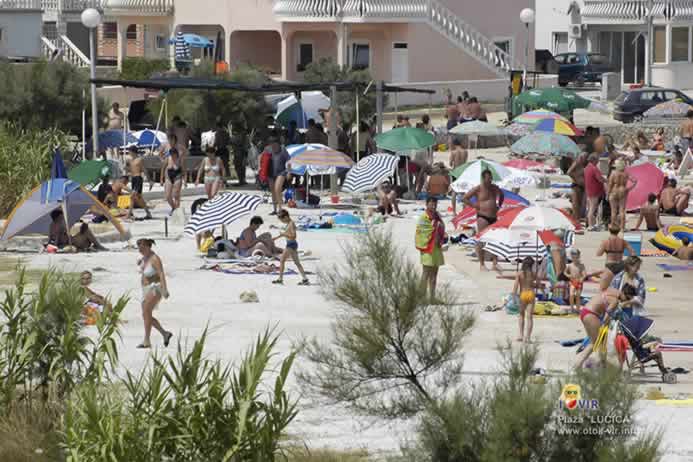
x=332 y=135
x=379 y=105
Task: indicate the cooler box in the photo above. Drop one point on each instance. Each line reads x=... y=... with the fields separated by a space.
x=635 y=241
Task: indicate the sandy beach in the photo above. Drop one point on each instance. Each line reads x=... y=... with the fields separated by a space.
x=201 y=298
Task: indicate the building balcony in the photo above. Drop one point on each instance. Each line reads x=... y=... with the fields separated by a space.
x=23 y=5
x=108 y=7
x=351 y=10
x=635 y=11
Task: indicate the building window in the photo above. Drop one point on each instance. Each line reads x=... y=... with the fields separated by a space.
x=679 y=44
x=360 y=56
x=161 y=42
x=305 y=56
x=131 y=33
x=110 y=30
x=660 y=44
x=504 y=45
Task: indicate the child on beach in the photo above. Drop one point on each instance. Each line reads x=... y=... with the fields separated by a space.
x=525 y=283
x=577 y=274
x=291 y=249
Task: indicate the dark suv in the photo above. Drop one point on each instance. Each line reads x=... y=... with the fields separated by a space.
x=634 y=103
x=581 y=67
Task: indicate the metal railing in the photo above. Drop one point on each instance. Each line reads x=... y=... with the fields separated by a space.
x=20 y=4
x=62 y=48
x=140 y=6
x=432 y=12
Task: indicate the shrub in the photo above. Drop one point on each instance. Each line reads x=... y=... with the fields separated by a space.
x=142 y=68
x=46 y=96
x=25 y=160
x=186 y=408
x=393 y=352
x=200 y=108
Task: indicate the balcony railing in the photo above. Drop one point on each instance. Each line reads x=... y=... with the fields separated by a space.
x=20 y=4
x=637 y=10
x=129 y=6
x=351 y=9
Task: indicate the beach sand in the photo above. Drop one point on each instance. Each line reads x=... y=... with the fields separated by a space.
x=205 y=298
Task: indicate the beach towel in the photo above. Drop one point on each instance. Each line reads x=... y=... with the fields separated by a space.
x=570 y=343
x=666 y=267
x=653 y=253
x=427 y=231
x=246 y=268
x=545 y=309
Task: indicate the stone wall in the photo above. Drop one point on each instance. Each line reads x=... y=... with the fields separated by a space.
x=621 y=133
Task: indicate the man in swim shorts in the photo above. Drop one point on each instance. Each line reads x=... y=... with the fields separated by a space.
x=489 y=199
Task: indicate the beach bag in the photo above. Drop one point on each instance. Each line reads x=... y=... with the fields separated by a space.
x=613 y=356
x=511 y=303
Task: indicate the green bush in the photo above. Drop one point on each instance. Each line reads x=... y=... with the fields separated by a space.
x=25 y=160
x=46 y=96
x=326 y=70
x=142 y=68
x=200 y=108
x=186 y=408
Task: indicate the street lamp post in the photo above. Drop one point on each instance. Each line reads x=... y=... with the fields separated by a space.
x=527 y=18
x=91 y=18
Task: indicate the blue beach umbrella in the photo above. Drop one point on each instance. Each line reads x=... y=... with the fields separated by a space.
x=110 y=139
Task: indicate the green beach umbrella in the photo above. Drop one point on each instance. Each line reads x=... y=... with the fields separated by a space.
x=474 y=169
x=89 y=172
x=405 y=139
x=555 y=99
x=546 y=143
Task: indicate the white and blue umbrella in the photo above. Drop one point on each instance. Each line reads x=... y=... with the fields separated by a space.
x=308 y=107
x=370 y=172
x=151 y=138
x=110 y=139
x=224 y=209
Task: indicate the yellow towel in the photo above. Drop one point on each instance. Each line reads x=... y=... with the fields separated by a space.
x=123 y=202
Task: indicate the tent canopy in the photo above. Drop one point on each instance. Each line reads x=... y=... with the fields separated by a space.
x=32 y=214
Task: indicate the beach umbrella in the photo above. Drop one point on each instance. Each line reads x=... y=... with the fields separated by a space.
x=308 y=107
x=150 y=138
x=536 y=217
x=559 y=127
x=89 y=172
x=556 y=99
x=524 y=164
x=405 y=139
x=477 y=128
x=545 y=143
x=58 y=166
x=316 y=159
x=191 y=40
x=467 y=217
x=110 y=139
x=516 y=244
x=370 y=172
x=519 y=129
x=468 y=176
x=671 y=108
x=223 y=209
x=182 y=49
x=536 y=116
x=650 y=180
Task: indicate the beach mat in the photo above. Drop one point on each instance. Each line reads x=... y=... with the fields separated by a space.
x=666 y=267
x=653 y=253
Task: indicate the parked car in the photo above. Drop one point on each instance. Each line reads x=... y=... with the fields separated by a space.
x=581 y=67
x=634 y=103
x=545 y=63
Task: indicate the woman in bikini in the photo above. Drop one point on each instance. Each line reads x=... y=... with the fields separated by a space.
x=613 y=248
x=618 y=193
x=525 y=284
x=172 y=178
x=213 y=168
x=291 y=250
x=154 y=288
x=597 y=312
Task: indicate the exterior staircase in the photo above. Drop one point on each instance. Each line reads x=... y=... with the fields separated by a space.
x=431 y=12
x=62 y=48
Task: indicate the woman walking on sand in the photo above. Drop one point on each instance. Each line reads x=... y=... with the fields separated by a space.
x=153 y=289
x=172 y=178
x=430 y=232
x=291 y=249
x=214 y=173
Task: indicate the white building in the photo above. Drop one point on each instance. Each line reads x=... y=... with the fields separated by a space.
x=20 y=28
x=618 y=29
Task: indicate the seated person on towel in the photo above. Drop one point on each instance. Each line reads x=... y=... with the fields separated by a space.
x=684 y=252
x=674 y=201
x=92 y=298
x=58 y=235
x=249 y=243
x=387 y=199
x=649 y=213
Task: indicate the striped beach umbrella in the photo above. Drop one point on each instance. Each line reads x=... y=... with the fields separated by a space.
x=182 y=48
x=312 y=170
x=321 y=158
x=370 y=172
x=516 y=244
x=224 y=209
